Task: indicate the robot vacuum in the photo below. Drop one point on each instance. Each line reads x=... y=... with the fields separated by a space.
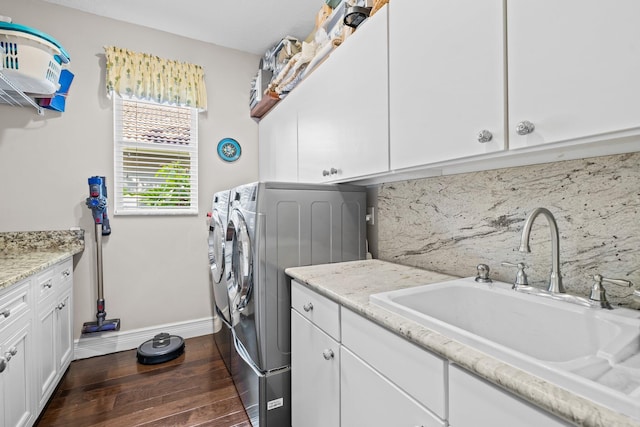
x=159 y=349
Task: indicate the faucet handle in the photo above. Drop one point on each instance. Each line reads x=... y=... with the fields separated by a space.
x=521 y=276
x=598 y=292
x=483 y=274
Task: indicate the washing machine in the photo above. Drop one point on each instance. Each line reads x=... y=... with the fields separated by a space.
x=273 y=226
x=217 y=262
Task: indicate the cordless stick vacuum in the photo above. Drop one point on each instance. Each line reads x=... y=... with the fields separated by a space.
x=97 y=202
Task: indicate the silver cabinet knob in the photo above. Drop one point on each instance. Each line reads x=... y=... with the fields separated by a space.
x=325 y=172
x=5 y=313
x=525 y=128
x=484 y=136
x=9 y=354
x=48 y=284
x=333 y=171
x=307 y=307
x=3 y=364
x=328 y=354
x=61 y=306
x=66 y=273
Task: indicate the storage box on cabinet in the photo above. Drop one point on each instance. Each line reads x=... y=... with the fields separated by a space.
x=17 y=406
x=474 y=402
x=421 y=374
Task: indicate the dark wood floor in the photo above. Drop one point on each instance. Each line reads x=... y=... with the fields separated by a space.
x=114 y=390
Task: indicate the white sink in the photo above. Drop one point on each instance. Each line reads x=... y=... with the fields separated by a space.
x=578 y=347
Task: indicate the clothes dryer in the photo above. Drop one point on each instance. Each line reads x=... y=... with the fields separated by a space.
x=273 y=226
x=217 y=263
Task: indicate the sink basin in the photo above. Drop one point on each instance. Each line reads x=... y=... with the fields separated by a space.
x=572 y=345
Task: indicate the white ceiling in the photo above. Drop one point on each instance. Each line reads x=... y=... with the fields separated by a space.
x=247 y=25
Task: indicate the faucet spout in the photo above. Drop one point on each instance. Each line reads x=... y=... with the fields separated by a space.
x=555 y=280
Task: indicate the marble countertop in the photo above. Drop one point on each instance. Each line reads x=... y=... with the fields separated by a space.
x=351 y=283
x=23 y=254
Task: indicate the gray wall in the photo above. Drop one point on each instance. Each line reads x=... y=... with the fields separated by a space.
x=155 y=268
x=450 y=224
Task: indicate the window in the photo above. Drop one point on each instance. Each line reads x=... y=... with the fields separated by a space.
x=156 y=158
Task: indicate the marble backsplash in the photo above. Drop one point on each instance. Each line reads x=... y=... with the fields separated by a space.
x=450 y=224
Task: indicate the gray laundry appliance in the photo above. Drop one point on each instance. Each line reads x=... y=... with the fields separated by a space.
x=273 y=226
x=217 y=262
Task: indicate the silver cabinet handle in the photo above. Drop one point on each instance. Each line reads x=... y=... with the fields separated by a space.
x=525 y=127
x=5 y=313
x=3 y=364
x=332 y=171
x=48 y=284
x=307 y=307
x=61 y=306
x=9 y=354
x=484 y=136
x=328 y=354
x=66 y=273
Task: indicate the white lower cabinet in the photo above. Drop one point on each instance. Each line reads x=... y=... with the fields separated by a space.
x=36 y=342
x=54 y=327
x=17 y=403
x=349 y=371
x=474 y=402
x=381 y=380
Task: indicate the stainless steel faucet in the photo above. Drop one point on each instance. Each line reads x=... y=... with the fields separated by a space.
x=555 y=281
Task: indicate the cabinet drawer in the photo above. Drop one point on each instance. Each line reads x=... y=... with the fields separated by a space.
x=418 y=372
x=64 y=273
x=14 y=301
x=321 y=311
x=45 y=284
x=54 y=280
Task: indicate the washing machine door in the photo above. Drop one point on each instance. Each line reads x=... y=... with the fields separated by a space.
x=217 y=230
x=240 y=278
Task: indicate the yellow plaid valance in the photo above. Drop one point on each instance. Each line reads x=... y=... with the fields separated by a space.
x=153 y=78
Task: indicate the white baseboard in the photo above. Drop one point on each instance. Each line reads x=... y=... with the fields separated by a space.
x=101 y=343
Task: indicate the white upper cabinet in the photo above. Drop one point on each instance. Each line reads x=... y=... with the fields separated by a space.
x=446 y=71
x=574 y=69
x=278 y=142
x=343 y=124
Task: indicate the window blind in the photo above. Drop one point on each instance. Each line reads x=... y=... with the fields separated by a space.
x=156 y=158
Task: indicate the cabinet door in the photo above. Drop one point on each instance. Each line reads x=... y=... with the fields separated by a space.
x=573 y=69
x=343 y=123
x=369 y=399
x=446 y=79
x=64 y=332
x=47 y=363
x=16 y=397
x=474 y=402
x=278 y=142
x=315 y=376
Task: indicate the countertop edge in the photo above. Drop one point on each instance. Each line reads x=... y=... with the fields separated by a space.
x=538 y=391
